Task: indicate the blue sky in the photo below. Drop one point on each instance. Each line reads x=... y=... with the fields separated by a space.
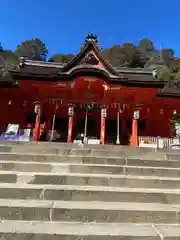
x=62 y=25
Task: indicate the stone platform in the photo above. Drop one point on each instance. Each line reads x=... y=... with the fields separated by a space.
x=58 y=191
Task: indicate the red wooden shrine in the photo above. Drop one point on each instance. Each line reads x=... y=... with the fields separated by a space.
x=88 y=80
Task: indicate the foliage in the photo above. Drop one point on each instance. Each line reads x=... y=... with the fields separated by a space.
x=164 y=73
x=146 y=48
x=175 y=122
x=8 y=61
x=1 y=47
x=166 y=56
x=33 y=49
x=144 y=54
x=127 y=55
x=176 y=79
x=61 y=58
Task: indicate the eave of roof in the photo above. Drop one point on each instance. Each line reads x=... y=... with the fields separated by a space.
x=54 y=71
x=58 y=65
x=50 y=70
x=125 y=82
x=169 y=92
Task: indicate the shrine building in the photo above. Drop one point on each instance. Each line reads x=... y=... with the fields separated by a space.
x=87 y=96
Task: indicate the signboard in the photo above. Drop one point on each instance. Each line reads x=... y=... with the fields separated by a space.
x=13 y=133
x=148 y=145
x=90 y=79
x=93 y=141
x=24 y=135
x=12 y=129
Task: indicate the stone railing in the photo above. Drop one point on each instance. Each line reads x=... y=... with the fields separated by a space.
x=157 y=142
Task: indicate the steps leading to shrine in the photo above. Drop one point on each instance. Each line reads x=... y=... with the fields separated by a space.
x=88 y=150
x=88 y=193
x=174 y=162
x=78 y=211
x=70 y=168
x=39 y=230
x=89 y=179
x=66 y=193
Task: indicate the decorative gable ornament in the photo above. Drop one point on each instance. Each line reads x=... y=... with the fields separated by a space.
x=89 y=59
x=91 y=38
x=136 y=114
x=37 y=108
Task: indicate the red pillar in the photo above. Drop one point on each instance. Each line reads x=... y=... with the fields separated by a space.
x=103 y=125
x=36 y=131
x=134 y=136
x=70 y=124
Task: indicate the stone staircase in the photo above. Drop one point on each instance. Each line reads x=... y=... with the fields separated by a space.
x=56 y=191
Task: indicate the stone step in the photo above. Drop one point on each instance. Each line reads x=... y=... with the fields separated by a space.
x=53 y=158
x=58 y=158
x=89 y=193
x=39 y=230
x=59 y=145
x=74 y=211
x=89 y=179
x=72 y=145
x=98 y=150
x=52 y=167
x=75 y=150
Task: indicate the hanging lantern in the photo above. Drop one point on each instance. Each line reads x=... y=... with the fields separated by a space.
x=104 y=112
x=70 y=110
x=136 y=114
x=37 y=108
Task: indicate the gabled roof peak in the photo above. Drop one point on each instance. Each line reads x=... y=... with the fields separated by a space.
x=91 y=38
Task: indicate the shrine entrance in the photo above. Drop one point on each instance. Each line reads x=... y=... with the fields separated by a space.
x=87 y=126
x=111 y=131
x=87 y=123
x=61 y=129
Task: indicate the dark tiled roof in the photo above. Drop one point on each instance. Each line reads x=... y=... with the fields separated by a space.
x=170 y=91
x=134 y=70
x=45 y=64
x=54 y=65
x=38 y=70
x=139 y=76
x=46 y=68
x=7 y=81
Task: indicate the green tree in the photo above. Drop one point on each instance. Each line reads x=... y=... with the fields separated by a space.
x=175 y=82
x=166 y=56
x=164 y=73
x=33 y=49
x=8 y=61
x=153 y=61
x=162 y=61
x=130 y=56
x=113 y=54
x=62 y=58
x=1 y=47
x=146 y=48
x=126 y=55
